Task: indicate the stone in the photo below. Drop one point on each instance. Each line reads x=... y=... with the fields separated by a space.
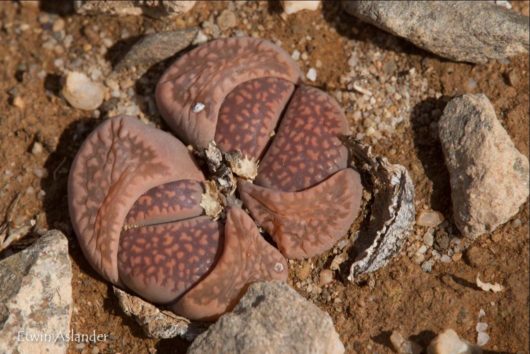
x=291 y=7
x=325 y=277
x=429 y=218
x=226 y=20
x=311 y=74
x=402 y=345
x=36 y=297
x=448 y=342
x=457 y=30
x=156 y=47
x=81 y=92
x=271 y=318
x=488 y=175
x=134 y=7
x=482 y=338
x=156 y=323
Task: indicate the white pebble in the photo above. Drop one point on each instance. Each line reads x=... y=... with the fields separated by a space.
x=482 y=338
x=200 y=38
x=295 y=55
x=81 y=92
x=445 y=259
x=37 y=148
x=311 y=74
x=290 y=6
x=481 y=327
x=481 y=313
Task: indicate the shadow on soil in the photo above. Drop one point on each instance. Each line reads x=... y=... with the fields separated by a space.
x=424 y=120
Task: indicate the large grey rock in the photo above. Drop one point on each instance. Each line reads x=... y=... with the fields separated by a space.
x=271 y=318
x=36 y=297
x=156 y=47
x=152 y=8
x=471 y=31
x=489 y=177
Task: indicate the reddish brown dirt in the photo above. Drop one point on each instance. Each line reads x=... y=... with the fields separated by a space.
x=399 y=297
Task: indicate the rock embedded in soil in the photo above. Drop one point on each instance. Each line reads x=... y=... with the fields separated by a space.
x=134 y=7
x=457 y=30
x=36 y=296
x=156 y=47
x=271 y=318
x=448 y=342
x=489 y=176
x=81 y=92
x=290 y=7
x=226 y=20
x=429 y=218
x=156 y=323
x=402 y=345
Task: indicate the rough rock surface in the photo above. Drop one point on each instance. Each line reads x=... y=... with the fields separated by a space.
x=489 y=176
x=464 y=31
x=156 y=47
x=156 y=323
x=36 y=297
x=134 y=7
x=271 y=318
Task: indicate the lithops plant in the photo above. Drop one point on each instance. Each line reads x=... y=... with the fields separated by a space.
x=260 y=144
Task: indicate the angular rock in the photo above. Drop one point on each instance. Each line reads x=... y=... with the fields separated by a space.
x=271 y=318
x=156 y=47
x=81 y=92
x=471 y=31
x=489 y=176
x=156 y=323
x=448 y=342
x=36 y=297
x=134 y=7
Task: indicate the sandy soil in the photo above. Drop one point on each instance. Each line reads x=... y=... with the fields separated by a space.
x=410 y=88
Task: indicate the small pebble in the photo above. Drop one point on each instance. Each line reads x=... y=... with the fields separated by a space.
x=482 y=338
x=295 y=55
x=81 y=92
x=418 y=258
x=200 y=38
x=427 y=266
x=428 y=238
x=290 y=6
x=325 y=277
x=312 y=74
x=402 y=345
x=18 y=102
x=58 y=25
x=513 y=78
x=481 y=327
x=36 y=149
x=227 y=20
x=429 y=218
x=445 y=259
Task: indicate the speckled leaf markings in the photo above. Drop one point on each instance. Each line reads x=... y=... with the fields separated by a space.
x=135 y=191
